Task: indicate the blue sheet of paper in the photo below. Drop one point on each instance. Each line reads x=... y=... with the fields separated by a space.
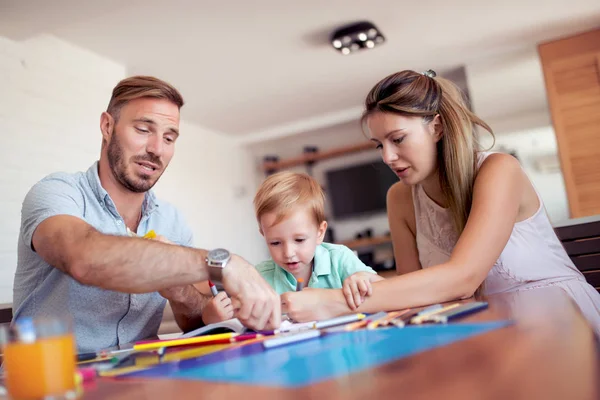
x=330 y=356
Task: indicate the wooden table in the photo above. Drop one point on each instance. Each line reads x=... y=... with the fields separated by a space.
x=550 y=353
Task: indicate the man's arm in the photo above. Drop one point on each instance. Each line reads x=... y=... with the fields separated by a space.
x=187 y=304
x=136 y=265
x=120 y=263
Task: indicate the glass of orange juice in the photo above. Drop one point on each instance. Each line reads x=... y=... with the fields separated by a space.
x=39 y=358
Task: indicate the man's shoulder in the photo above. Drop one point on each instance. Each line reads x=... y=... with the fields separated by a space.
x=75 y=179
x=171 y=223
x=59 y=184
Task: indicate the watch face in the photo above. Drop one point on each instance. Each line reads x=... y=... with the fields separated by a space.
x=219 y=255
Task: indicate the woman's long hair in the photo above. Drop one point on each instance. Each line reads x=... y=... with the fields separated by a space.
x=410 y=93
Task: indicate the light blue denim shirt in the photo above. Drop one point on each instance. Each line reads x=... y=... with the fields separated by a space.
x=102 y=318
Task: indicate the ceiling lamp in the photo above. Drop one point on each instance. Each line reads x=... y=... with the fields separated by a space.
x=356 y=36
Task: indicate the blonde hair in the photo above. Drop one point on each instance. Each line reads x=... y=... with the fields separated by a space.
x=410 y=93
x=280 y=193
x=136 y=87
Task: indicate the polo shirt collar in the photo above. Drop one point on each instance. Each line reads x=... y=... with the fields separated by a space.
x=150 y=202
x=322 y=261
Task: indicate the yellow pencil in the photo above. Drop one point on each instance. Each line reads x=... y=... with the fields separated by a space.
x=182 y=342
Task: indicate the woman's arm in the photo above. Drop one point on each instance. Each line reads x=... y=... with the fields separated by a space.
x=497 y=197
x=401 y=217
x=498 y=194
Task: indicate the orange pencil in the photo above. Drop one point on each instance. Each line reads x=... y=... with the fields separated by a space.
x=386 y=321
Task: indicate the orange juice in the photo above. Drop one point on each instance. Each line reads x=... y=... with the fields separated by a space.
x=43 y=368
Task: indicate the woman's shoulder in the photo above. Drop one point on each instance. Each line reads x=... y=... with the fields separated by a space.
x=498 y=160
x=399 y=193
x=400 y=205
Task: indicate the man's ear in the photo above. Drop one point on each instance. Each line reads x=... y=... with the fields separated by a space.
x=321 y=232
x=436 y=128
x=107 y=126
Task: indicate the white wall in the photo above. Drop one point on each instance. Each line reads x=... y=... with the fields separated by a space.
x=328 y=138
x=509 y=93
x=211 y=179
x=533 y=146
x=52 y=94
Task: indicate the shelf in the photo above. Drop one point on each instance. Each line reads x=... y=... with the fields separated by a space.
x=368 y=241
x=320 y=155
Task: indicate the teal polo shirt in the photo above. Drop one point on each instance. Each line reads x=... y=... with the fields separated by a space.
x=332 y=264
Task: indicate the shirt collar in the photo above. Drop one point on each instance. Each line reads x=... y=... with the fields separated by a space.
x=322 y=261
x=150 y=202
x=284 y=279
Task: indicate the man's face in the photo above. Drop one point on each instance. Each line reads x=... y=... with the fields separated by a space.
x=142 y=142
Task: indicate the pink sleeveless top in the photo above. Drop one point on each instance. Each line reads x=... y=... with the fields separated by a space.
x=533 y=257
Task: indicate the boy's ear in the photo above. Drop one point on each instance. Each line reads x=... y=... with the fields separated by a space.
x=321 y=232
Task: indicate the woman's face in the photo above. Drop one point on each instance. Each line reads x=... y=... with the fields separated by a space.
x=408 y=145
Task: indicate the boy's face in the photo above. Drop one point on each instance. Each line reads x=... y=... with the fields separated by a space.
x=292 y=242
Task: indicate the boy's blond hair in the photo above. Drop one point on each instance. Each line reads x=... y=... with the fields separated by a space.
x=283 y=191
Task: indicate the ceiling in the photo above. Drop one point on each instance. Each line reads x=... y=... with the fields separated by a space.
x=264 y=67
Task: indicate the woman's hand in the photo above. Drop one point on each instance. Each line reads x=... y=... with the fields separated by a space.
x=314 y=304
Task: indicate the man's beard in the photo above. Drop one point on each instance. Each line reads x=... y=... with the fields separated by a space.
x=118 y=167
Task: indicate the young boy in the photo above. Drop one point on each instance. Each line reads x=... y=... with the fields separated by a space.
x=289 y=208
x=290 y=212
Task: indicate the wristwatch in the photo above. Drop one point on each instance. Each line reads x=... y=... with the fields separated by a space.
x=216 y=260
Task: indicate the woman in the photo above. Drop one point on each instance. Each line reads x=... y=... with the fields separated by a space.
x=461 y=220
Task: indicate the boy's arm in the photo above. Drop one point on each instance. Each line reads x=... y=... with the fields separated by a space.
x=357 y=283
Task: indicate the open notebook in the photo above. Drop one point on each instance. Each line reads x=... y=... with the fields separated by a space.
x=234 y=325
x=231 y=325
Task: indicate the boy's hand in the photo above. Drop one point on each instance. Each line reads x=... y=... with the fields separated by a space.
x=218 y=309
x=356 y=287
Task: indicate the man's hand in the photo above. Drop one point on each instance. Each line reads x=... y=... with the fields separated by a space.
x=255 y=303
x=218 y=309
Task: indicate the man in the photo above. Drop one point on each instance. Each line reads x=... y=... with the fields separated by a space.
x=74 y=252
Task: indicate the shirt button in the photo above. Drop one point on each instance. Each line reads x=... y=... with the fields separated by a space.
x=118 y=222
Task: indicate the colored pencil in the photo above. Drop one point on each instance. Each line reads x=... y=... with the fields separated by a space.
x=365 y=321
x=463 y=310
x=213 y=288
x=419 y=319
x=402 y=320
x=346 y=319
x=392 y=315
x=208 y=339
x=291 y=339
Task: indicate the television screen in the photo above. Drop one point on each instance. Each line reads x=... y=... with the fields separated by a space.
x=359 y=189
